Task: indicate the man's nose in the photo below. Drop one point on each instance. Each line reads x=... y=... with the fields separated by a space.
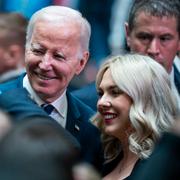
x=153 y=48
x=45 y=63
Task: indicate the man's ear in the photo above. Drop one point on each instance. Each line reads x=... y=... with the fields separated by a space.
x=127 y=33
x=82 y=62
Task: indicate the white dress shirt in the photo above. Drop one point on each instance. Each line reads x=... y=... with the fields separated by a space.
x=60 y=104
x=177 y=64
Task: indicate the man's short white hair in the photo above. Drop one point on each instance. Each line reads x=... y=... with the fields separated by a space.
x=61 y=14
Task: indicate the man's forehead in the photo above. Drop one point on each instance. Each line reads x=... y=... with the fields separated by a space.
x=148 y=20
x=149 y=15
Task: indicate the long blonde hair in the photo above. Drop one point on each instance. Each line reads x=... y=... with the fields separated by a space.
x=153 y=108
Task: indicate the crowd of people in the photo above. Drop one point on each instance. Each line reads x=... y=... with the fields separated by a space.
x=124 y=125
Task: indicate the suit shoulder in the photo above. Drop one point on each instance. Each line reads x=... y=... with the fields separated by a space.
x=88 y=95
x=84 y=108
x=9 y=85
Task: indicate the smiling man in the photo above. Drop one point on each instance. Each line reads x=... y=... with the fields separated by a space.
x=57 y=44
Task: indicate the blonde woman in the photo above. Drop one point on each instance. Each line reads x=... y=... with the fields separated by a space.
x=136 y=105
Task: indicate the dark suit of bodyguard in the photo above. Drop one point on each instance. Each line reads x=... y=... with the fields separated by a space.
x=56 y=51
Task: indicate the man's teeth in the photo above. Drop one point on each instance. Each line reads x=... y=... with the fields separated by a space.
x=44 y=77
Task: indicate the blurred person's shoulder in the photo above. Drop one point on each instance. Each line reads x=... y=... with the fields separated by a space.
x=11 y=84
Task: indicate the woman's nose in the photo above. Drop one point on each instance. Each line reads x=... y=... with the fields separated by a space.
x=104 y=101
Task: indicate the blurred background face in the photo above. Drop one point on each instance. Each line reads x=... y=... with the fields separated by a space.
x=156 y=37
x=53 y=58
x=3 y=60
x=9 y=58
x=114 y=106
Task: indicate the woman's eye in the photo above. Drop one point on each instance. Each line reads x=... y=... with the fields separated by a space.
x=100 y=93
x=116 y=92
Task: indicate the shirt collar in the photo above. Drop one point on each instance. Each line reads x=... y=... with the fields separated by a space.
x=171 y=75
x=33 y=95
x=59 y=104
x=177 y=63
x=174 y=89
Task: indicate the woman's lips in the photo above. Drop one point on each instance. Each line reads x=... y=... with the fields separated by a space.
x=109 y=117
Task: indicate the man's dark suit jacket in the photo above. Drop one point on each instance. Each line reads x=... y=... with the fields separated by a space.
x=19 y=106
x=88 y=95
x=177 y=78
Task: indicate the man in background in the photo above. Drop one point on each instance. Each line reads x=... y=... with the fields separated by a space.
x=12 y=45
x=153 y=29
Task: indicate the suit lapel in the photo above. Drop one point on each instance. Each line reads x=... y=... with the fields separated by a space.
x=73 y=117
x=177 y=78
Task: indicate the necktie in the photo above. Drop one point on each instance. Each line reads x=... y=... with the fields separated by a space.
x=47 y=108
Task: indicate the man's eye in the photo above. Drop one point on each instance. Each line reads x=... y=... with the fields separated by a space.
x=144 y=38
x=165 y=38
x=59 y=57
x=37 y=51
